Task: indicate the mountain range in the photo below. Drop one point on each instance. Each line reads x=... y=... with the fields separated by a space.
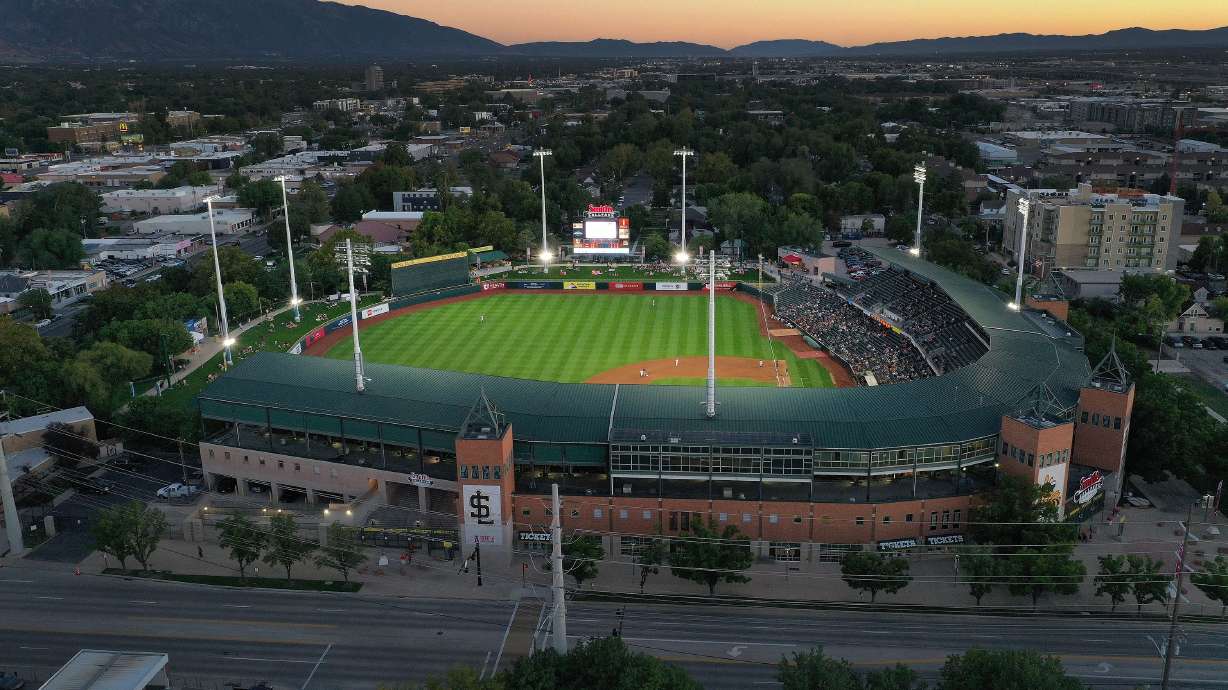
x=315 y=30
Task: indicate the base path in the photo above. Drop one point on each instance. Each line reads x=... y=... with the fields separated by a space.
x=694 y=367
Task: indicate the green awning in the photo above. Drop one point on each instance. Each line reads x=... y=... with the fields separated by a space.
x=487 y=257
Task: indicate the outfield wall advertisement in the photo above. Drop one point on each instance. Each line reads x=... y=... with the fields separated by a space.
x=488 y=286
x=534 y=285
x=579 y=285
x=672 y=287
x=625 y=286
x=373 y=311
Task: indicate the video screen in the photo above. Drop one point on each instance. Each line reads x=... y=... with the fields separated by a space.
x=600 y=229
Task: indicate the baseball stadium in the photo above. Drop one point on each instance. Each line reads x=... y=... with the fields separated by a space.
x=848 y=413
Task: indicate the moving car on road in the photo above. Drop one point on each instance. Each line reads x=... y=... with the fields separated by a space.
x=178 y=490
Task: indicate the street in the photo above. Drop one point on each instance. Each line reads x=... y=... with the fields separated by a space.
x=734 y=647
x=216 y=635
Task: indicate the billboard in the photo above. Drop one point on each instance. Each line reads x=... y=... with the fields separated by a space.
x=676 y=287
x=600 y=229
x=579 y=285
x=373 y=311
x=626 y=286
x=313 y=337
x=600 y=246
x=488 y=286
x=483 y=508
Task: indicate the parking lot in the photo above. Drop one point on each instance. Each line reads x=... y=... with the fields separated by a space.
x=125 y=483
x=1206 y=362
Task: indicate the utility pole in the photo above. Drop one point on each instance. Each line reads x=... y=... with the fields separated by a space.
x=1169 y=645
x=559 y=616
x=12 y=523
x=477 y=558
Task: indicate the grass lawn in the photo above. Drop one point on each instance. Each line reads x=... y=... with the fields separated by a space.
x=570 y=338
x=629 y=272
x=236 y=581
x=261 y=339
x=1211 y=396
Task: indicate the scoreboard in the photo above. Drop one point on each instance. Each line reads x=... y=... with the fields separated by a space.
x=602 y=232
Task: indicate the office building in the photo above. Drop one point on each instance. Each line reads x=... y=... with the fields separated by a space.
x=375 y=78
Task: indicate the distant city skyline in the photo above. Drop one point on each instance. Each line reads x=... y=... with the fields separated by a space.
x=727 y=23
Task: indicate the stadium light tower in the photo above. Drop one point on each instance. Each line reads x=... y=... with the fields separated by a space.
x=1024 y=205
x=285 y=205
x=918 y=176
x=541 y=157
x=227 y=341
x=710 y=406
x=683 y=153
x=359 y=377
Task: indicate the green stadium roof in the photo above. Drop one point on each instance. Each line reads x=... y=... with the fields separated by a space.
x=962 y=405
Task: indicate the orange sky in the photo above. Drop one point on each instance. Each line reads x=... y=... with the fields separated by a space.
x=727 y=23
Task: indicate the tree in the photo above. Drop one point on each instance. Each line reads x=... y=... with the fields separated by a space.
x=1213 y=581
x=147 y=526
x=341 y=551
x=1113 y=580
x=262 y=195
x=104 y=370
x=580 y=558
x=38 y=301
x=657 y=247
x=650 y=557
x=244 y=540
x=146 y=415
x=267 y=145
x=977 y=568
x=814 y=670
x=111 y=534
x=710 y=556
x=873 y=573
x=1217 y=212
x=148 y=336
x=64 y=206
x=1033 y=571
x=351 y=201
x=620 y=162
x=1005 y=669
x=284 y=546
x=599 y=664
x=47 y=249
x=1147 y=584
x=740 y=216
x=242 y=300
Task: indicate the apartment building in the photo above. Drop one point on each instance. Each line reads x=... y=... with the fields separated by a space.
x=1091 y=228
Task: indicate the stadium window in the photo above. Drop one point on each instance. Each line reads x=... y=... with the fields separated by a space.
x=746 y=517
x=934 y=520
x=296 y=467
x=908 y=517
x=575 y=513
x=485 y=471
x=315 y=469
x=722 y=517
x=1117 y=423
x=647 y=514
x=596 y=513
x=1006 y=448
x=886 y=519
x=946 y=519
x=281 y=464
x=464 y=472
x=227 y=455
x=686 y=521
x=498 y=471
x=473 y=471
x=622 y=515
x=673 y=521
x=1096 y=419
x=955 y=518
x=260 y=459
x=1104 y=421
x=527 y=512
x=772 y=519
x=210 y=452
x=1031 y=460
x=861 y=520
x=797 y=519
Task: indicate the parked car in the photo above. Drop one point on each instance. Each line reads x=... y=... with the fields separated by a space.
x=178 y=490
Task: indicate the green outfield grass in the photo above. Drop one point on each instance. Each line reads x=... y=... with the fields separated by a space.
x=570 y=338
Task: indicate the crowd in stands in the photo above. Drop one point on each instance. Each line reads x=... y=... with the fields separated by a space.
x=937 y=324
x=849 y=334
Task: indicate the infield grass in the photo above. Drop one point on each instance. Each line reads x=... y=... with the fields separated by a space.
x=570 y=338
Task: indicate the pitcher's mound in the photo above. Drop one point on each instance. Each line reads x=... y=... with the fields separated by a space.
x=745 y=368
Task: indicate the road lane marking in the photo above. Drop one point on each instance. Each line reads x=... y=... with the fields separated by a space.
x=277 y=661
x=50 y=598
x=270 y=624
x=141 y=601
x=35 y=648
x=485 y=664
x=313 y=668
x=24 y=582
x=331 y=610
x=236 y=606
x=511 y=619
x=879 y=632
x=694 y=641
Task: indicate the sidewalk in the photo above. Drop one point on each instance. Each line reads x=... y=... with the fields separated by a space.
x=211 y=347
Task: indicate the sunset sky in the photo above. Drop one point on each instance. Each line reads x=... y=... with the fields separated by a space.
x=727 y=23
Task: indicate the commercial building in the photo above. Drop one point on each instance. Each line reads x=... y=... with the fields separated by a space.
x=996 y=155
x=226 y=221
x=1096 y=229
x=867 y=224
x=105 y=173
x=426 y=199
x=156 y=201
x=374 y=78
x=64 y=286
x=1200 y=164
x=27 y=162
x=137 y=248
x=806 y=474
x=344 y=105
x=1045 y=139
x=1131 y=115
x=183 y=119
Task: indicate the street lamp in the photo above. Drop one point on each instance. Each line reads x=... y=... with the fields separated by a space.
x=918 y=176
x=541 y=157
x=285 y=206
x=683 y=153
x=227 y=341
x=1024 y=205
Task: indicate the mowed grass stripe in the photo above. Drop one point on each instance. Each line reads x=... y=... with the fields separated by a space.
x=570 y=338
